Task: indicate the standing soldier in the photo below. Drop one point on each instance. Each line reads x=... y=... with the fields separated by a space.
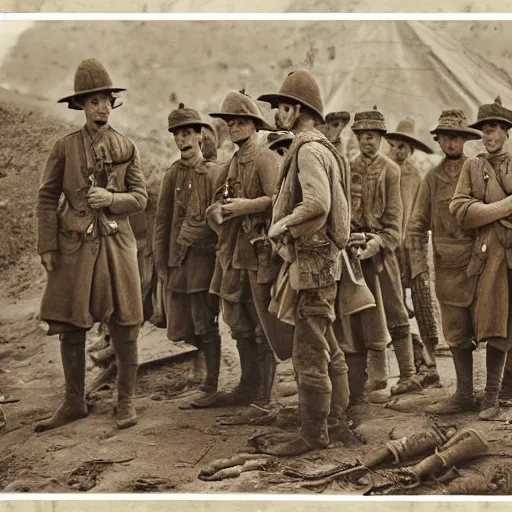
x=310 y=225
x=243 y=271
x=483 y=202
x=335 y=122
x=402 y=144
x=185 y=244
x=377 y=216
x=87 y=246
x=452 y=250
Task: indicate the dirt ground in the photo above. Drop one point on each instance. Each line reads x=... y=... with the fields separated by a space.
x=169 y=446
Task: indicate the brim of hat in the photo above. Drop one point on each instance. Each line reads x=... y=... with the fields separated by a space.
x=188 y=123
x=479 y=124
x=275 y=99
x=379 y=130
x=260 y=123
x=71 y=99
x=280 y=142
x=415 y=143
x=469 y=133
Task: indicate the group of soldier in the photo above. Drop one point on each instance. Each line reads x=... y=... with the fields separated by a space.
x=305 y=254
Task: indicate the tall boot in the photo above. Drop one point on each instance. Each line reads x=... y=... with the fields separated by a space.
x=377 y=370
x=314 y=409
x=506 y=382
x=356 y=377
x=337 y=421
x=404 y=353
x=267 y=370
x=124 y=339
x=463 y=399
x=495 y=364
x=74 y=407
x=211 y=350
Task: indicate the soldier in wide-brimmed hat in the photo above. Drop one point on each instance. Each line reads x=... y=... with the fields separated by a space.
x=185 y=244
x=244 y=271
x=483 y=202
x=310 y=225
x=377 y=215
x=403 y=142
x=87 y=246
x=452 y=250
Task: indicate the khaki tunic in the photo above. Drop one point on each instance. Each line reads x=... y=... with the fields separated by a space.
x=487 y=180
x=377 y=209
x=97 y=280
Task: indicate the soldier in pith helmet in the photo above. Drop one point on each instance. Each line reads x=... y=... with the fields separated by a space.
x=87 y=246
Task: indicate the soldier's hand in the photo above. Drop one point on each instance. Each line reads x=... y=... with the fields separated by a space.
x=277 y=229
x=99 y=197
x=162 y=271
x=50 y=260
x=372 y=249
x=234 y=207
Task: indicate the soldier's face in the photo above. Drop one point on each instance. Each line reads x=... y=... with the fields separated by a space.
x=97 y=108
x=286 y=116
x=332 y=130
x=452 y=144
x=399 y=150
x=493 y=136
x=369 y=142
x=240 y=128
x=188 y=141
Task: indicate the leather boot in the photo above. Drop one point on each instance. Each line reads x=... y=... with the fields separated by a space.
x=506 y=382
x=124 y=340
x=463 y=399
x=211 y=350
x=267 y=370
x=314 y=409
x=74 y=407
x=495 y=364
x=377 y=370
x=404 y=353
x=356 y=377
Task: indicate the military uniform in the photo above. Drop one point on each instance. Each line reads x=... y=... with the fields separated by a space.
x=377 y=212
x=485 y=183
x=96 y=278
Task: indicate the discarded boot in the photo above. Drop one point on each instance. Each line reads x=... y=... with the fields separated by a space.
x=377 y=370
x=407 y=448
x=495 y=363
x=124 y=339
x=466 y=445
x=462 y=400
x=74 y=407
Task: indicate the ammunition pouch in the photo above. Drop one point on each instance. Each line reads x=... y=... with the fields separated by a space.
x=317 y=263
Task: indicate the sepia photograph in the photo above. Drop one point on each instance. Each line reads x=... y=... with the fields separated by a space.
x=262 y=257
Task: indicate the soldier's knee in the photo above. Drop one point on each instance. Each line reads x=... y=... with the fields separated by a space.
x=73 y=337
x=400 y=331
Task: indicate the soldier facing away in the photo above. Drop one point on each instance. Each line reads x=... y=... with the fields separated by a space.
x=185 y=244
x=87 y=246
x=452 y=250
x=310 y=224
x=483 y=202
x=403 y=143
